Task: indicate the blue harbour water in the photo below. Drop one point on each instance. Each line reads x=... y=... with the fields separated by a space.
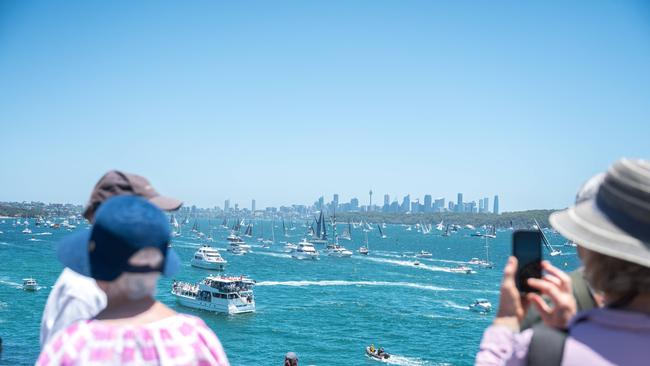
x=327 y=311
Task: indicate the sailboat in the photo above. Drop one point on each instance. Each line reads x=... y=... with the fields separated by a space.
x=249 y=231
x=547 y=244
x=440 y=226
x=365 y=249
x=224 y=224
x=484 y=263
x=334 y=249
x=320 y=236
x=347 y=232
x=261 y=236
x=284 y=229
x=446 y=233
x=381 y=232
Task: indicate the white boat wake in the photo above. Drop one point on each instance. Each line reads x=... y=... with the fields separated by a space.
x=409 y=264
x=271 y=254
x=352 y=283
x=403 y=360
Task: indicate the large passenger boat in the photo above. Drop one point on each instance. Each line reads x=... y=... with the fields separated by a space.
x=220 y=294
x=209 y=258
x=305 y=250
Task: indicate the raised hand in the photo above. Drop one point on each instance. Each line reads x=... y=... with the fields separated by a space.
x=556 y=285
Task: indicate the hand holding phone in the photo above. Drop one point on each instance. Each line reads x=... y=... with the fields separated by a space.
x=527 y=248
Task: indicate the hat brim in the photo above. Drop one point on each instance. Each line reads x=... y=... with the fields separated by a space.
x=586 y=225
x=166 y=203
x=72 y=252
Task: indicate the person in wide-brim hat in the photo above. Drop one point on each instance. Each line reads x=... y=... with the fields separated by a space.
x=612 y=231
x=125 y=252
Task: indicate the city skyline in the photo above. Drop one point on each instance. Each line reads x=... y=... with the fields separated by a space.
x=283 y=102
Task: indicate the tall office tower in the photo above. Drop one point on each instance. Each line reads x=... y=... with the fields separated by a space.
x=406 y=204
x=370 y=204
x=386 y=206
x=253 y=205
x=459 y=203
x=486 y=204
x=481 y=208
x=226 y=205
x=354 y=204
x=451 y=207
x=496 y=205
x=321 y=203
x=439 y=205
x=427 y=203
x=335 y=201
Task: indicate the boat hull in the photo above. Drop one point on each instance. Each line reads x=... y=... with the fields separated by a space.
x=235 y=306
x=217 y=266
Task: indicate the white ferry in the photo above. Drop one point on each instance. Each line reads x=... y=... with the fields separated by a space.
x=305 y=250
x=219 y=294
x=424 y=254
x=30 y=284
x=209 y=258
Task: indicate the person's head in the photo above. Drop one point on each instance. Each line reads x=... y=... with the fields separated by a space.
x=115 y=183
x=611 y=226
x=126 y=249
x=291 y=359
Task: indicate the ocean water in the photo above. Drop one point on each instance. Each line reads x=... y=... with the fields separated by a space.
x=326 y=311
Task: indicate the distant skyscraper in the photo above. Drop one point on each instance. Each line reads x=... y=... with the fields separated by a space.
x=459 y=203
x=335 y=201
x=354 y=204
x=253 y=205
x=226 y=205
x=486 y=204
x=496 y=205
x=370 y=204
x=481 y=207
x=439 y=205
x=406 y=204
x=427 y=203
x=321 y=203
x=386 y=200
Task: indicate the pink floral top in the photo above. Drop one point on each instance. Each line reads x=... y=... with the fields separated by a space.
x=176 y=340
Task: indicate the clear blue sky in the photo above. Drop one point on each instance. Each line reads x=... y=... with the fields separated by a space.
x=287 y=101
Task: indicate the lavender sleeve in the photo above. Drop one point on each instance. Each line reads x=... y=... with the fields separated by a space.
x=501 y=346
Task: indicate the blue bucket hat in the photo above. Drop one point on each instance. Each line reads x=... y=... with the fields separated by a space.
x=123 y=226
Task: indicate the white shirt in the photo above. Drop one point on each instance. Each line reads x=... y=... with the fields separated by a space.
x=74 y=297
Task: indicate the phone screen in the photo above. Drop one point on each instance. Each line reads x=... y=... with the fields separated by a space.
x=527 y=248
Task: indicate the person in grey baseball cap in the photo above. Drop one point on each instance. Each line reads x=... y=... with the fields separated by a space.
x=74 y=296
x=612 y=231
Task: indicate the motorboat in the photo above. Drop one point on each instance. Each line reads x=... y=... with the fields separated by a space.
x=305 y=250
x=424 y=254
x=237 y=246
x=474 y=261
x=416 y=263
x=462 y=269
x=219 y=294
x=27 y=231
x=377 y=354
x=335 y=250
x=30 y=284
x=209 y=258
x=363 y=250
x=481 y=306
x=288 y=247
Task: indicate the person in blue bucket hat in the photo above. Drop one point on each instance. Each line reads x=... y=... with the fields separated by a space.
x=126 y=251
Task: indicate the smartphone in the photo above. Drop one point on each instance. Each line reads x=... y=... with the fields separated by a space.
x=527 y=248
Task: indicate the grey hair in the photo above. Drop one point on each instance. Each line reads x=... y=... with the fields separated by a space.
x=615 y=277
x=136 y=286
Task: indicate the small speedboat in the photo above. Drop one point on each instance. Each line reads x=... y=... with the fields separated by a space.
x=424 y=254
x=462 y=269
x=416 y=263
x=30 y=284
x=481 y=306
x=363 y=250
x=378 y=354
